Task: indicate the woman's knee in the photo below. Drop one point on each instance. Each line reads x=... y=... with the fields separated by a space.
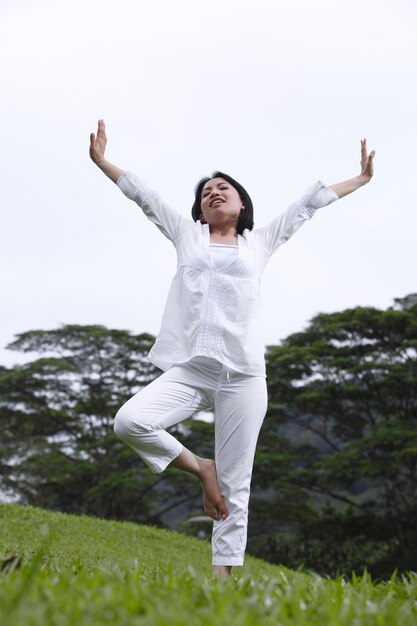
x=127 y=425
x=121 y=424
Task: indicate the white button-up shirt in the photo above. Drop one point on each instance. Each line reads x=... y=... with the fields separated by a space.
x=212 y=312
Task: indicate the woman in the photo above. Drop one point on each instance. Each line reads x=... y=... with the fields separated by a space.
x=210 y=345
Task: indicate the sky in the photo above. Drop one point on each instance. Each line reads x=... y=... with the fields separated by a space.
x=277 y=94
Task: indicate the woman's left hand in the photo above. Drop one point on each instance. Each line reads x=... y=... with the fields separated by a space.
x=367 y=163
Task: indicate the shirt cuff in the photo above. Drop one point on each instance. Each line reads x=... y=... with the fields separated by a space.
x=316 y=197
x=321 y=195
x=132 y=185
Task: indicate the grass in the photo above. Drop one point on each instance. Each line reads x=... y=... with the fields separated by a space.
x=83 y=571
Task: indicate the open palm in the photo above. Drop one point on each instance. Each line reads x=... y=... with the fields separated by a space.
x=367 y=162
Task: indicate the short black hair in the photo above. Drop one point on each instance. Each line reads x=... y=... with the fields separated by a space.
x=246 y=216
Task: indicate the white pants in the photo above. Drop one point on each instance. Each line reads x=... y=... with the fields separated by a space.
x=239 y=402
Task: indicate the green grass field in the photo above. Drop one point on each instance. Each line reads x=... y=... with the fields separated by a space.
x=77 y=571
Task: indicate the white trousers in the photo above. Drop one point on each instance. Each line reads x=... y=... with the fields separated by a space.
x=239 y=402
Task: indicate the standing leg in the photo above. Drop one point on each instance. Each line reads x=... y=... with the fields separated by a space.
x=240 y=405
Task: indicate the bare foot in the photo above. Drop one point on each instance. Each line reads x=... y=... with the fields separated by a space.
x=221 y=571
x=213 y=501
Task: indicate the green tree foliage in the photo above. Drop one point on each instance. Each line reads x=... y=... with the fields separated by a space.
x=341 y=440
x=58 y=449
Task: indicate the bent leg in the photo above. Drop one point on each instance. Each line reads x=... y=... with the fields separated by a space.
x=142 y=420
x=240 y=407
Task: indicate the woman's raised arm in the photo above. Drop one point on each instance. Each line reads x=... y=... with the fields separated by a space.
x=169 y=222
x=367 y=171
x=97 y=148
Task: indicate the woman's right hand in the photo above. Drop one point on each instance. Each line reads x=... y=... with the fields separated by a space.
x=97 y=149
x=98 y=144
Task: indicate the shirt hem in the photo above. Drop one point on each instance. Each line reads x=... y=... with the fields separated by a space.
x=166 y=365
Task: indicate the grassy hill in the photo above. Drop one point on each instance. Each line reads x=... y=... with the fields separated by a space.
x=79 y=571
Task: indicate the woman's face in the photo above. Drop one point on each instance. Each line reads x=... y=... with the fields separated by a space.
x=220 y=203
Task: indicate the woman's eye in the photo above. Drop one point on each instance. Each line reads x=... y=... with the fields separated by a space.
x=206 y=194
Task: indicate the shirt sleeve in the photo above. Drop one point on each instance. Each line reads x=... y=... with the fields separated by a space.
x=166 y=219
x=285 y=225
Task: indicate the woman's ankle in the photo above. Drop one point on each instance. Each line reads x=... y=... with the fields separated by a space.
x=220 y=571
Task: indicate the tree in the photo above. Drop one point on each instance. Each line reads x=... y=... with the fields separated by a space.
x=344 y=393
x=58 y=449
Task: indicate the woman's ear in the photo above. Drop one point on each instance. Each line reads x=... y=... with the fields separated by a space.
x=201 y=218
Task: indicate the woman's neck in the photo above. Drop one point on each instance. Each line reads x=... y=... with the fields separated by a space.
x=226 y=234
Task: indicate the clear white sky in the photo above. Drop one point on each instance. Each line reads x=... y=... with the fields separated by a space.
x=277 y=94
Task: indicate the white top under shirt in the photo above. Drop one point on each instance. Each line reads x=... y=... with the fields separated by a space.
x=222 y=254
x=216 y=312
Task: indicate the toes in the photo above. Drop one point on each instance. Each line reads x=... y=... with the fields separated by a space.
x=216 y=510
x=214 y=514
x=211 y=512
x=223 y=509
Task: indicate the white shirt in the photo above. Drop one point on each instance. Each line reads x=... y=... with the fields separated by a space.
x=211 y=312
